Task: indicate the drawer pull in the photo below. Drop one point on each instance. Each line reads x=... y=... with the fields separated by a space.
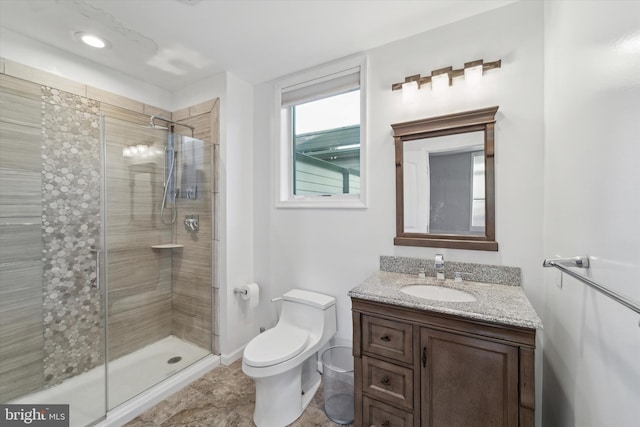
x=385 y=338
x=386 y=424
x=385 y=381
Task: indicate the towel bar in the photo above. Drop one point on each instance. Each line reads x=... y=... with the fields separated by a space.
x=563 y=265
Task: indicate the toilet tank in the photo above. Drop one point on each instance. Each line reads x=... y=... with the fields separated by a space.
x=313 y=299
x=310 y=310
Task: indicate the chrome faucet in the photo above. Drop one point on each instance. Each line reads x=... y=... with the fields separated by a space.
x=439 y=266
x=191 y=223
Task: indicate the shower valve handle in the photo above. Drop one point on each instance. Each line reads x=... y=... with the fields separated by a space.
x=191 y=223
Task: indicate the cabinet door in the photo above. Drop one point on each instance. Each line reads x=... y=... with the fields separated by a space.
x=378 y=414
x=387 y=338
x=467 y=382
x=387 y=382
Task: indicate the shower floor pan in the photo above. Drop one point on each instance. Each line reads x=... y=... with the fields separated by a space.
x=128 y=376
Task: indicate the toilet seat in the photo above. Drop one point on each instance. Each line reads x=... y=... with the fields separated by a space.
x=275 y=346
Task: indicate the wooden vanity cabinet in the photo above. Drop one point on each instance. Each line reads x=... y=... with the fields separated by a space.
x=420 y=368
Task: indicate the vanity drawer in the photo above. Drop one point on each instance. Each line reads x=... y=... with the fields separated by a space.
x=387 y=338
x=381 y=415
x=388 y=382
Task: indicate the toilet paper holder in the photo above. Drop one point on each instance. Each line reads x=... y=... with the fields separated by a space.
x=249 y=293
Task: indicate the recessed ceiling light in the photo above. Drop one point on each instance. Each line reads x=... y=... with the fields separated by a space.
x=91 y=40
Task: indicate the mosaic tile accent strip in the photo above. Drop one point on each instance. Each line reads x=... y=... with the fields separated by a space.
x=73 y=323
x=484 y=273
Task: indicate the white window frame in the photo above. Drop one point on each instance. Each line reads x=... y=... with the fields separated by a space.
x=284 y=152
x=477 y=228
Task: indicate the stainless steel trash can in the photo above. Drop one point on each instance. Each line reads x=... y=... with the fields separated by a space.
x=337 y=368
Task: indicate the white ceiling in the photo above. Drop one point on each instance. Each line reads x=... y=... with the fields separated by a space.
x=171 y=43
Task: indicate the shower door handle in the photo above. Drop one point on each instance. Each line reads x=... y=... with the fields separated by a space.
x=96 y=285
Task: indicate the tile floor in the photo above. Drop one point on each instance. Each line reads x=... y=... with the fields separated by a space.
x=225 y=397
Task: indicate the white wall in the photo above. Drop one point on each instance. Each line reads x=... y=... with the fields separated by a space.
x=24 y=50
x=201 y=91
x=33 y=53
x=238 y=324
x=334 y=250
x=592 y=207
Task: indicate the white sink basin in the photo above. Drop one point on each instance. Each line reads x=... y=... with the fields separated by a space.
x=438 y=293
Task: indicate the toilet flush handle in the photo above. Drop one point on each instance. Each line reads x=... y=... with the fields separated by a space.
x=276 y=299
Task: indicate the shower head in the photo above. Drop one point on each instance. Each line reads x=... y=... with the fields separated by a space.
x=152 y=123
x=154 y=126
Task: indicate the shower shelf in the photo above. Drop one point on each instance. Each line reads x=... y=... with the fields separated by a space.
x=167 y=246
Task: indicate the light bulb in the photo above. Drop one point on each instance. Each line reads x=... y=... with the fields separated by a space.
x=473 y=75
x=91 y=40
x=440 y=82
x=410 y=92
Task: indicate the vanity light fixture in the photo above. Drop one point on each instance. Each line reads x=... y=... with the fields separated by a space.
x=91 y=40
x=443 y=77
x=410 y=90
x=473 y=71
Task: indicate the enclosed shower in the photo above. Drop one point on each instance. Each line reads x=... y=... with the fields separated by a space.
x=105 y=250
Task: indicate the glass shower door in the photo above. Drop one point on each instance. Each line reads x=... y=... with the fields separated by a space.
x=158 y=270
x=86 y=285
x=52 y=324
x=138 y=275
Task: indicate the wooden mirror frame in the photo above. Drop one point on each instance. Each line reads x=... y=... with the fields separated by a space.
x=451 y=124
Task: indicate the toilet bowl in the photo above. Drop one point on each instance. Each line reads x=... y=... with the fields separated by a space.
x=283 y=360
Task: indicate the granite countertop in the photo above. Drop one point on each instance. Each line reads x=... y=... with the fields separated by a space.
x=494 y=303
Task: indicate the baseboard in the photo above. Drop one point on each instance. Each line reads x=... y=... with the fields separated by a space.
x=341 y=341
x=228 y=358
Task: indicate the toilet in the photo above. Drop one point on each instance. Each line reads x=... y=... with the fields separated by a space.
x=283 y=361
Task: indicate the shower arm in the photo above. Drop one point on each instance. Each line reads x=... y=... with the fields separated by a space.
x=152 y=123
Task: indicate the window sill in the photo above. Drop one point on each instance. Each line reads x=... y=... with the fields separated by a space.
x=322 y=203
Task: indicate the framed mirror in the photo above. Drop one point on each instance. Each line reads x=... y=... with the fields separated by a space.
x=445 y=194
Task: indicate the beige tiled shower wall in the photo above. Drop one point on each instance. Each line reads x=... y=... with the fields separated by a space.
x=193 y=294
x=152 y=293
x=21 y=272
x=139 y=277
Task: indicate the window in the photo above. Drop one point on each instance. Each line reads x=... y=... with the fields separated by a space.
x=321 y=138
x=477 y=192
x=456 y=190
